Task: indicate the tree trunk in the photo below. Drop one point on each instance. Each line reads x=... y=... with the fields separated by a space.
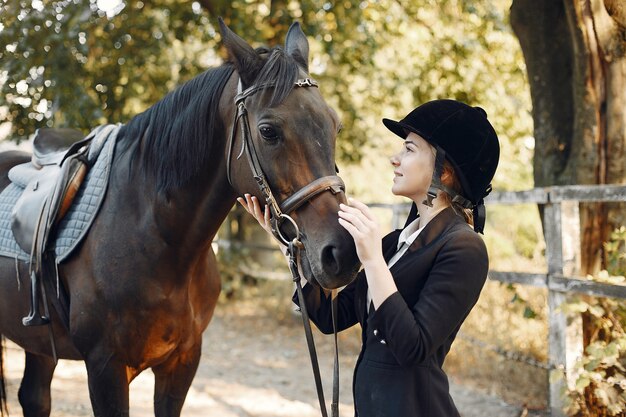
x=575 y=52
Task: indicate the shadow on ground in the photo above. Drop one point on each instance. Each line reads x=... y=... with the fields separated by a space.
x=254 y=364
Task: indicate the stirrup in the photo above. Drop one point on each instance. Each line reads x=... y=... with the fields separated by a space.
x=34 y=318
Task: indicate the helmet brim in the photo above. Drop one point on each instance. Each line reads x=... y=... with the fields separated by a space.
x=402 y=129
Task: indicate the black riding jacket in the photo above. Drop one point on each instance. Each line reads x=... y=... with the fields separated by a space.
x=405 y=341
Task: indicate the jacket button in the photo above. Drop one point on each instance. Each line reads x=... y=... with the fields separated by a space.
x=384 y=342
x=375 y=332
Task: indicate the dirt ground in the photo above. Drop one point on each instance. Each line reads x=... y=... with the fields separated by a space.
x=254 y=364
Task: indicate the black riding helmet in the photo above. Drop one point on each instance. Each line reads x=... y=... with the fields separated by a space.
x=462 y=135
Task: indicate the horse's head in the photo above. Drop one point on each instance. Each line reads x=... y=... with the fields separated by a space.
x=283 y=145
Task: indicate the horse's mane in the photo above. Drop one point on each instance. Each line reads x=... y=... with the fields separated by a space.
x=178 y=132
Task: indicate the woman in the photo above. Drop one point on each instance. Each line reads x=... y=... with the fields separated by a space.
x=416 y=289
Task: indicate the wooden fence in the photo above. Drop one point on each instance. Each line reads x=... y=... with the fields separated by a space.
x=561 y=223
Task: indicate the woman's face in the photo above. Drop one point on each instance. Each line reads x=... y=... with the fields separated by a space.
x=413 y=168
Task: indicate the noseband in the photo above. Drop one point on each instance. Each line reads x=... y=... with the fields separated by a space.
x=279 y=212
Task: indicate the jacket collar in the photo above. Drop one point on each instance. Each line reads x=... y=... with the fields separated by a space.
x=439 y=224
x=433 y=229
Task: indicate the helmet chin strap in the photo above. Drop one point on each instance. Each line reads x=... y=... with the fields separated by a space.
x=437 y=185
x=478 y=210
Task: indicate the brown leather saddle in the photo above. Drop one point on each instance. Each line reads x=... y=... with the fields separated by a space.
x=51 y=181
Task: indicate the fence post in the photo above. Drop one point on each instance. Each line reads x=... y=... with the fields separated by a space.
x=570 y=224
x=562 y=235
x=557 y=324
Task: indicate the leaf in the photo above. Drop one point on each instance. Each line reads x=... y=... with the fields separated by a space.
x=595 y=349
x=582 y=382
x=529 y=313
x=596 y=311
x=593 y=364
x=574 y=307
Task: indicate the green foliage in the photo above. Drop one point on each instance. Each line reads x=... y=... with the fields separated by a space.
x=234 y=280
x=68 y=63
x=514 y=237
x=518 y=299
x=462 y=50
x=602 y=369
x=616 y=252
x=344 y=38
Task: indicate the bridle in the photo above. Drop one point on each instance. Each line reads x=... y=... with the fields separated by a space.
x=280 y=213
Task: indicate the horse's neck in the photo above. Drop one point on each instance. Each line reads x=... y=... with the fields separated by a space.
x=186 y=218
x=206 y=201
x=190 y=217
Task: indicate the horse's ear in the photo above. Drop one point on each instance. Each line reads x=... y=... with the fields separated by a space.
x=247 y=62
x=297 y=45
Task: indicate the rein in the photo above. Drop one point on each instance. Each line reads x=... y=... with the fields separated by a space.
x=294 y=252
x=279 y=214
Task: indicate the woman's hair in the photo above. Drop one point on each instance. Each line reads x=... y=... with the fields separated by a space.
x=450 y=179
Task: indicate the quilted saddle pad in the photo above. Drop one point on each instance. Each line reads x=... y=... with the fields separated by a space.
x=74 y=226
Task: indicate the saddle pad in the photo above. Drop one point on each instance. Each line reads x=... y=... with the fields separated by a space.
x=75 y=225
x=8 y=245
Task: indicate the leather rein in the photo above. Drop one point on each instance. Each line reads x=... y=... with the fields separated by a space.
x=279 y=214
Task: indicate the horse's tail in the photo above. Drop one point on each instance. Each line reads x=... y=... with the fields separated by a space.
x=4 y=411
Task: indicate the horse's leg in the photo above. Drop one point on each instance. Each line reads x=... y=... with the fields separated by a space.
x=108 y=388
x=34 y=392
x=172 y=380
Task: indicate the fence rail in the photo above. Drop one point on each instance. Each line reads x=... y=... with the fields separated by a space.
x=568 y=284
x=561 y=222
x=557 y=194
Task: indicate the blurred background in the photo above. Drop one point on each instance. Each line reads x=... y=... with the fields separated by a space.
x=550 y=75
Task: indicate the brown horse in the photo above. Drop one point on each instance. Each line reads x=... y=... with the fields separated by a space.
x=143 y=284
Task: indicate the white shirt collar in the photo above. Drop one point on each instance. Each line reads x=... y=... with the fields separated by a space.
x=409 y=233
x=412 y=231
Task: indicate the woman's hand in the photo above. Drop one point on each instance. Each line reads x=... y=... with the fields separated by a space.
x=360 y=222
x=252 y=206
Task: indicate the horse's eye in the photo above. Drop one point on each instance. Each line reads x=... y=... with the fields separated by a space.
x=268 y=132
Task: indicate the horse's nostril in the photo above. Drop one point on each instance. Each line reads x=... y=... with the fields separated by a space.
x=330 y=260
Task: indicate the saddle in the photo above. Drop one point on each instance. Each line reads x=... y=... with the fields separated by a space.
x=50 y=182
x=60 y=161
x=50 y=145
